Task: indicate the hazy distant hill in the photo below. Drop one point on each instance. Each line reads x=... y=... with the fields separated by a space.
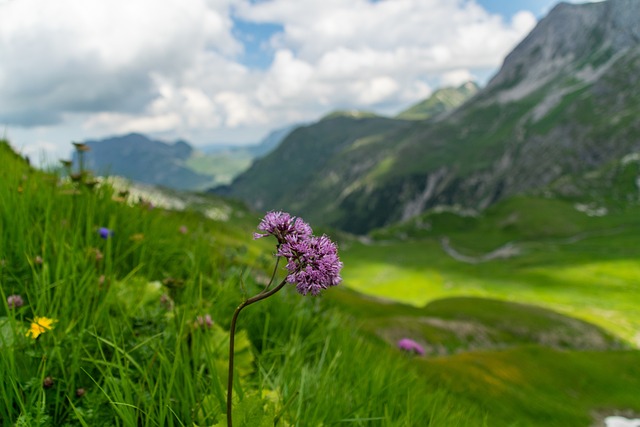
x=442 y=100
x=141 y=159
x=565 y=102
x=178 y=166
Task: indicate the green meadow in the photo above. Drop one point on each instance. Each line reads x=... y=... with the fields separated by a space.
x=136 y=324
x=586 y=267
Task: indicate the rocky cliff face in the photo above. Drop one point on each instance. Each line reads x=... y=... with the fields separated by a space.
x=573 y=39
x=566 y=101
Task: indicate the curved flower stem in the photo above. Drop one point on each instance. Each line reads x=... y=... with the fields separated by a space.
x=232 y=332
x=273 y=276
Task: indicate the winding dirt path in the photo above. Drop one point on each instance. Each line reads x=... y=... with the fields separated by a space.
x=506 y=251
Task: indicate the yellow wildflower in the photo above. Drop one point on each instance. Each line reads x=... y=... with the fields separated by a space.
x=40 y=325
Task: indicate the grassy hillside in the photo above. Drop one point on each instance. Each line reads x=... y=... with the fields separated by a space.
x=440 y=101
x=131 y=343
x=221 y=166
x=555 y=256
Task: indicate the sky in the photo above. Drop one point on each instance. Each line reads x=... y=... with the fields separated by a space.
x=230 y=71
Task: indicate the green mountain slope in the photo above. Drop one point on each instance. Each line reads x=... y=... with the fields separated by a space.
x=281 y=179
x=442 y=100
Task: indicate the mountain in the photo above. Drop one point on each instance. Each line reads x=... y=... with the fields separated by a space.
x=266 y=144
x=278 y=179
x=141 y=159
x=179 y=165
x=565 y=102
x=442 y=100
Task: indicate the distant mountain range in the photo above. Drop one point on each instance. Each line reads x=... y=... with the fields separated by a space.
x=565 y=104
x=178 y=165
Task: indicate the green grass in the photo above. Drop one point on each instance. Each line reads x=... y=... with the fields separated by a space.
x=127 y=330
x=579 y=265
x=120 y=356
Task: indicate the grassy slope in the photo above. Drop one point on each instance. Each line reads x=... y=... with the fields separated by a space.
x=222 y=167
x=440 y=101
x=579 y=265
x=143 y=365
x=519 y=362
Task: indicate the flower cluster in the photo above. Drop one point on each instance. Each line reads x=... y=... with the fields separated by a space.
x=410 y=346
x=281 y=225
x=312 y=261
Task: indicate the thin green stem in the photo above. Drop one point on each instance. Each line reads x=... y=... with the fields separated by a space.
x=232 y=333
x=273 y=276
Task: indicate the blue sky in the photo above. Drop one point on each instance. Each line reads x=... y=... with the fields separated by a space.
x=229 y=71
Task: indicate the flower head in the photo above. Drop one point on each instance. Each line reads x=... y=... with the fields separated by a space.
x=410 y=346
x=14 y=301
x=280 y=225
x=39 y=326
x=313 y=263
x=104 y=232
x=183 y=229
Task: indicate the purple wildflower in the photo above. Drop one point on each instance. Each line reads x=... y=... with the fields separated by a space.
x=313 y=263
x=280 y=225
x=183 y=229
x=104 y=232
x=14 y=301
x=410 y=346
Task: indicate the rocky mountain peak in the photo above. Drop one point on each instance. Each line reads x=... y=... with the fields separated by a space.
x=571 y=38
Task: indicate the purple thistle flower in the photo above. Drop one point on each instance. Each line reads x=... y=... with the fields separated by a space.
x=14 y=301
x=104 y=232
x=313 y=263
x=280 y=225
x=410 y=346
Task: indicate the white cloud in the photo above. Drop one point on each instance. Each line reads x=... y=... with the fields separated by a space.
x=173 y=67
x=456 y=77
x=95 y=56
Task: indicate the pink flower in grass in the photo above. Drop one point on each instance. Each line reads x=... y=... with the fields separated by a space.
x=410 y=346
